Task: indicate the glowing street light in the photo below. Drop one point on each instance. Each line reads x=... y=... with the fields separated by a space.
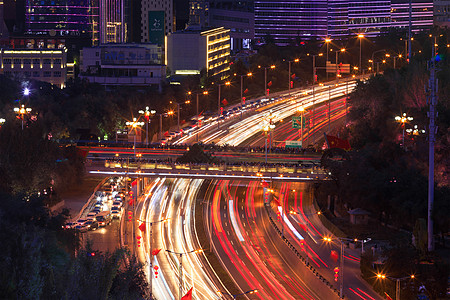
x=22 y=110
x=403 y=119
x=147 y=113
x=249 y=74
x=327 y=42
x=227 y=83
x=360 y=37
x=266 y=92
x=289 y=67
x=134 y=125
x=397 y=282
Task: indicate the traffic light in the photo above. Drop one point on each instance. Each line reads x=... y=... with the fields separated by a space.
x=292 y=84
x=221 y=110
x=315 y=78
x=138 y=241
x=130 y=215
x=91 y=254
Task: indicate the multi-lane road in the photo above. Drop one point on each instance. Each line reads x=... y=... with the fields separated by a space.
x=238 y=223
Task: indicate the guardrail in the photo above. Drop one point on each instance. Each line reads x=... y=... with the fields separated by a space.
x=302 y=258
x=291 y=170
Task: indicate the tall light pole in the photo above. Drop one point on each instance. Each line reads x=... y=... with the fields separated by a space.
x=360 y=36
x=327 y=41
x=397 y=282
x=22 y=110
x=218 y=104
x=266 y=92
x=314 y=66
x=289 y=81
x=151 y=250
x=242 y=91
x=180 y=267
x=134 y=125
x=267 y=126
x=198 y=114
x=147 y=113
x=337 y=62
x=372 y=60
x=403 y=119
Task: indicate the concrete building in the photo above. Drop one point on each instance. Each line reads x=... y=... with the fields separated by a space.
x=157 y=20
x=49 y=65
x=238 y=16
x=339 y=19
x=123 y=65
x=442 y=13
x=190 y=51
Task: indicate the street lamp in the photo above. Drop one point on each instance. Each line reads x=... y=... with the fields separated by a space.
x=2 y=121
x=341 y=270
x=22 y=110
x=397 y=282
x=218 y=103
x=198 y=115
x=249 y=74
x=327 y=42
x=289 y=63
x=266 y=92
x=147 y=113
x=372 y=60
x=337 y=61
x=181 y=267
x=151 y=249
x=314 y=66
x=178 y=111
x=403 y=119
x=360 y=36
x=134 y=125
x=237 y=295
x=266 y=126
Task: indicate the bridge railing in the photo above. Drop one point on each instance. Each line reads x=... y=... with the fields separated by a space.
x=240 y=168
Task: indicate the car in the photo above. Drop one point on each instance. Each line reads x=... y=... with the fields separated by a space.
x=69 y=225
x=97 y=210
x=115 y=214
x=81 y=221
x=117 y=203
x=91 y=215
x=115 y=208
x=81 y=228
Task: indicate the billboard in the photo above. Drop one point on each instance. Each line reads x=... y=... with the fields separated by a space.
x=156 y=27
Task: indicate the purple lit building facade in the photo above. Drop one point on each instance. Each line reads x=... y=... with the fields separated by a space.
x=62 y=17
x=285 y=21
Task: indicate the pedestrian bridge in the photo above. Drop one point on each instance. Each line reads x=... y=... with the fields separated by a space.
x=290 y=172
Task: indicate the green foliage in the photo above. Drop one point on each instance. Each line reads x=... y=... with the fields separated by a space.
x=30 y=162
x=35 y=264
x=195 y=155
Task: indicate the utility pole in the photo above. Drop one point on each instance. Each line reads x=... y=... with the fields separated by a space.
x=431 y=139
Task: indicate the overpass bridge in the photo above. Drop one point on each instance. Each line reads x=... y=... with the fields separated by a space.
x=307 y=171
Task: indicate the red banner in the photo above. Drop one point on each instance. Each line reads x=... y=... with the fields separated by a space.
x=188 y=295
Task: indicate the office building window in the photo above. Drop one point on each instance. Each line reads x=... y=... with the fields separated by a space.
x=36 y=74
x=47 y=74
x=57 y=74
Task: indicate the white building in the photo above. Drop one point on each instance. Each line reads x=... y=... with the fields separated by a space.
x=123 y=65
x=190 y=51
x=49 y=65
x=157 y=20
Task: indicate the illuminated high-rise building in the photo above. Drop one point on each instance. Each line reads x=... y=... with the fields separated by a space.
x=112 y=21
x=285 y=21
x=61 y=17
